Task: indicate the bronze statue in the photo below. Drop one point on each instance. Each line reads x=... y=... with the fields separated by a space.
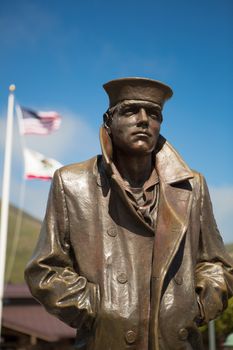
x=129 y=252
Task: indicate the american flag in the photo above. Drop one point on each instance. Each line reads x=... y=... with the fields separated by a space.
x=37 y=122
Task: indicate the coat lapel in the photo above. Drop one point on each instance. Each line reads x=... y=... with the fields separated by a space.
x=172 y=222
x=174 y=205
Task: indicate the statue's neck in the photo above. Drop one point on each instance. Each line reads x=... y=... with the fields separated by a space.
x=134 y=169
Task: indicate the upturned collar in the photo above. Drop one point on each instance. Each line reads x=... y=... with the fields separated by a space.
x=170 y=167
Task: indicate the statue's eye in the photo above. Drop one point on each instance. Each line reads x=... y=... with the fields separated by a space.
x=154 y=114
x=128 y=111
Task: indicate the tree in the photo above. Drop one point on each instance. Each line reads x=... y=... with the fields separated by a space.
x=224 y=324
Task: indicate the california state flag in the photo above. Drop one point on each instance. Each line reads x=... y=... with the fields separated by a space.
x=37 y=166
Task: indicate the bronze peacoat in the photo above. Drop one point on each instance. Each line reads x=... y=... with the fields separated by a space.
x=101 y=269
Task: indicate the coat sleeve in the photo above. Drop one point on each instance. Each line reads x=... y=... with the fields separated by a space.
x=214 y=269
x=51 y=275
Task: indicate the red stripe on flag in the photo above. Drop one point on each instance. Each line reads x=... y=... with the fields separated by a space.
x=33 y=177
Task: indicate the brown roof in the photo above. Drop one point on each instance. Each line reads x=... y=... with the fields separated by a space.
x=17 y=291
x=32 y=319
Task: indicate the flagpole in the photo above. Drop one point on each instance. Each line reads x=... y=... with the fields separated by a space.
x=5 y=195
x=19 y=216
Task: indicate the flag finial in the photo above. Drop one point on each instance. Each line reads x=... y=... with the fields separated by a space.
x=12 y=87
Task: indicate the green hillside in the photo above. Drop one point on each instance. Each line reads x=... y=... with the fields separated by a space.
x=229 y=248
x=30 y=228
x=27 y=240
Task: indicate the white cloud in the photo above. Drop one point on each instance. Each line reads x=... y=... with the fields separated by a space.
x=222 y=199
x=73 y=142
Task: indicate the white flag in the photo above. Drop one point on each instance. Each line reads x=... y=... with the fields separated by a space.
x=37 y=166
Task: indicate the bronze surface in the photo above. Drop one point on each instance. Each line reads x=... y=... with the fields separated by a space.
x=101 y=268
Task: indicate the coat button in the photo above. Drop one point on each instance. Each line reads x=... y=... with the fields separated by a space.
x=130 y=337
x=122 y=278
x=178 y=280
x=183 y=334
x=112 y=232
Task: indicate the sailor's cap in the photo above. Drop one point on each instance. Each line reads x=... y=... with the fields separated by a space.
x=135 y=88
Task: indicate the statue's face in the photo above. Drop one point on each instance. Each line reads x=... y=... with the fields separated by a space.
x=135 y=127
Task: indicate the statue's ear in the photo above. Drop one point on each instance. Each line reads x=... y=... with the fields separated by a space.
x=107 y=122
x=106 y=144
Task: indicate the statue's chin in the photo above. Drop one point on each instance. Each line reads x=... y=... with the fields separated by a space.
x=137 y=150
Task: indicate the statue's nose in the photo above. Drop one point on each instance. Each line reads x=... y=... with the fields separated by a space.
x=142 y=116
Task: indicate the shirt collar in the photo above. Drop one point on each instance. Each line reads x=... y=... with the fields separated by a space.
x=152 y=181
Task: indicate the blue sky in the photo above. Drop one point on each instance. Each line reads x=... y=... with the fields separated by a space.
x=59 y=53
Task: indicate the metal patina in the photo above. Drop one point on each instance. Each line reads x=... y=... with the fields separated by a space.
x=129 y=252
